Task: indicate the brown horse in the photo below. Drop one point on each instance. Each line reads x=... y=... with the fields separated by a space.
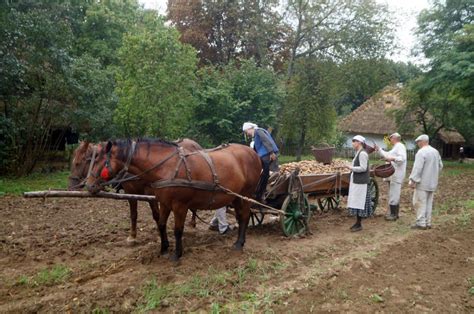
x=235 y=167
x=81 y=162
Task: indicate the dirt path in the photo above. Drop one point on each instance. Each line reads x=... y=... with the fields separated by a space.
x=387 y=267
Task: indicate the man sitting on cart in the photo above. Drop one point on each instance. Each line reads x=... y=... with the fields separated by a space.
x=267 y=150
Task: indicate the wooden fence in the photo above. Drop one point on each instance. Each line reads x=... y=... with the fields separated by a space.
x=343 y=152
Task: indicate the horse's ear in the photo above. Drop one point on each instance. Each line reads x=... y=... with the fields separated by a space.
x=108 y=147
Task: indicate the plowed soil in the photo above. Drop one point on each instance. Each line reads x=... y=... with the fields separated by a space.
x=387 y=267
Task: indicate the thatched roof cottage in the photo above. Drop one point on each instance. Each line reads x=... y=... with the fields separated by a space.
x=375 y=119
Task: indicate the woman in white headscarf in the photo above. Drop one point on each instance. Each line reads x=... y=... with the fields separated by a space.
x=358 y=201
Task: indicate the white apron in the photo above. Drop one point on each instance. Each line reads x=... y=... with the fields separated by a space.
x=357 y=195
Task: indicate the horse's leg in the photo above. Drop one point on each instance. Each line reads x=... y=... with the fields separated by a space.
x=164 y=214
x=133 y=221
x=179 y=219
x=155 y=211
x=242 y=213
x=192 y=223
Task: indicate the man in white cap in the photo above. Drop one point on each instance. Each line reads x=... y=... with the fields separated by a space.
x=267 y=150
x=397 y=156
x=424 y=179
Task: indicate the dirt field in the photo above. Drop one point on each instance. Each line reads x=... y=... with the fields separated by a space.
x=70 y=255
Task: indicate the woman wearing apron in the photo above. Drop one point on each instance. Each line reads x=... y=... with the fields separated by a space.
x=358 y=201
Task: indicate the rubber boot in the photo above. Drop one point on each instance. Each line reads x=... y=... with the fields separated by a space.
x=392 y=215
x=397 y=211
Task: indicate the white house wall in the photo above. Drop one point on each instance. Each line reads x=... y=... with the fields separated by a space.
x=378 y=139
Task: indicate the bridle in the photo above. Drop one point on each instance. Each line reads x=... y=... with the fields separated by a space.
x=91 y=165
x=120 y=176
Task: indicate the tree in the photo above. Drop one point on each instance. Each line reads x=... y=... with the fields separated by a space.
x=359 y=79
x=155 y=81
x=338 y=29
x=101 y=31
x=308 y=114
x=45 y=85
x=443 y=96
x=222 y=31
x=230 y=95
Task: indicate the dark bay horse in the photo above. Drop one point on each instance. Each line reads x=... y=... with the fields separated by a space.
x=235 y=167
x=81 y=162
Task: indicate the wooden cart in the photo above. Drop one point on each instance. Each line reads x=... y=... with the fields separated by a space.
x=290 y=194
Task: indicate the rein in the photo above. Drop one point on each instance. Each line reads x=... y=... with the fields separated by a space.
x=129 y=160
x=91 y=165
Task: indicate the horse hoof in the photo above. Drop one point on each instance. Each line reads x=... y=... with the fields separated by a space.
x=237 y=247
x=174 y=258
x=131 y=241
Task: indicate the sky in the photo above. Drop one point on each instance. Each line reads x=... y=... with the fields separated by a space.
x=405 y=13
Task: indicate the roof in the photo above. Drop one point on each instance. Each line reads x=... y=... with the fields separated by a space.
x=376 y=116
x=451 y=136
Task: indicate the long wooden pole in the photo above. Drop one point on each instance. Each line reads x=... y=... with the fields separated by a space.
x=101 y=194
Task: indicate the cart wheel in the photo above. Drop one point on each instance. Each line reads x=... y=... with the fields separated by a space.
x=374 y=193
x=328 y=203
x=296 y=217
x=256 y=218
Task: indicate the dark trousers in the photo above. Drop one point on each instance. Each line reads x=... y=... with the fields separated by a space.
x=262 y=184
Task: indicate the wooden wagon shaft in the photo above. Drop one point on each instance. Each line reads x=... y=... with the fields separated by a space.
x=83 y=194
x=267 y=211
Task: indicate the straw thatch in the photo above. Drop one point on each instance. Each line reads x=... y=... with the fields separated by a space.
x=377 y=116
x=451 y=137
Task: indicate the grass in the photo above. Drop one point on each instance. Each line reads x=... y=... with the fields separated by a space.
x=376 y=298
x=154 y=295
x=46 y=277
x=227 y=291
x=471 y=283
x=33 y=182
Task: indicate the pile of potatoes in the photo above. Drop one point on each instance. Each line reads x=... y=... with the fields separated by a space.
x=314 y=167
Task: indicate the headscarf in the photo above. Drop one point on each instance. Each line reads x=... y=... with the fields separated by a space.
x=249 y=125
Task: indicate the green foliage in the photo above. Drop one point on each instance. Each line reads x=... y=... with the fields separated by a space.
x=308 y=115
x=155 y=82
x=443 y=96
x=103 y=27
x=361 y=78
x=339 y=30
x=231 y=95
x=46 y=83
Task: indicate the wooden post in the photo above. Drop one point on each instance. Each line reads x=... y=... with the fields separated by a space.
x=82 y=194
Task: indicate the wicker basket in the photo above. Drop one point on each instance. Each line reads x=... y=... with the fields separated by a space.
x=384 y=171
x=369 y=149
x=323 y=154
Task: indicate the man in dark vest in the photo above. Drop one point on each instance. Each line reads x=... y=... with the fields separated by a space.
x=267 y=150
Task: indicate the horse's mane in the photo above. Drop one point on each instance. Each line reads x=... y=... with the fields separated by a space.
x=148 y=140
x=125 y=144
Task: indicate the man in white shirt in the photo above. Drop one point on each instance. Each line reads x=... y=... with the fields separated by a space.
x=424 y=179
x=397 y=156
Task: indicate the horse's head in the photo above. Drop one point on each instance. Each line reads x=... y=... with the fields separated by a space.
x=107 y=165
x=79 y=166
